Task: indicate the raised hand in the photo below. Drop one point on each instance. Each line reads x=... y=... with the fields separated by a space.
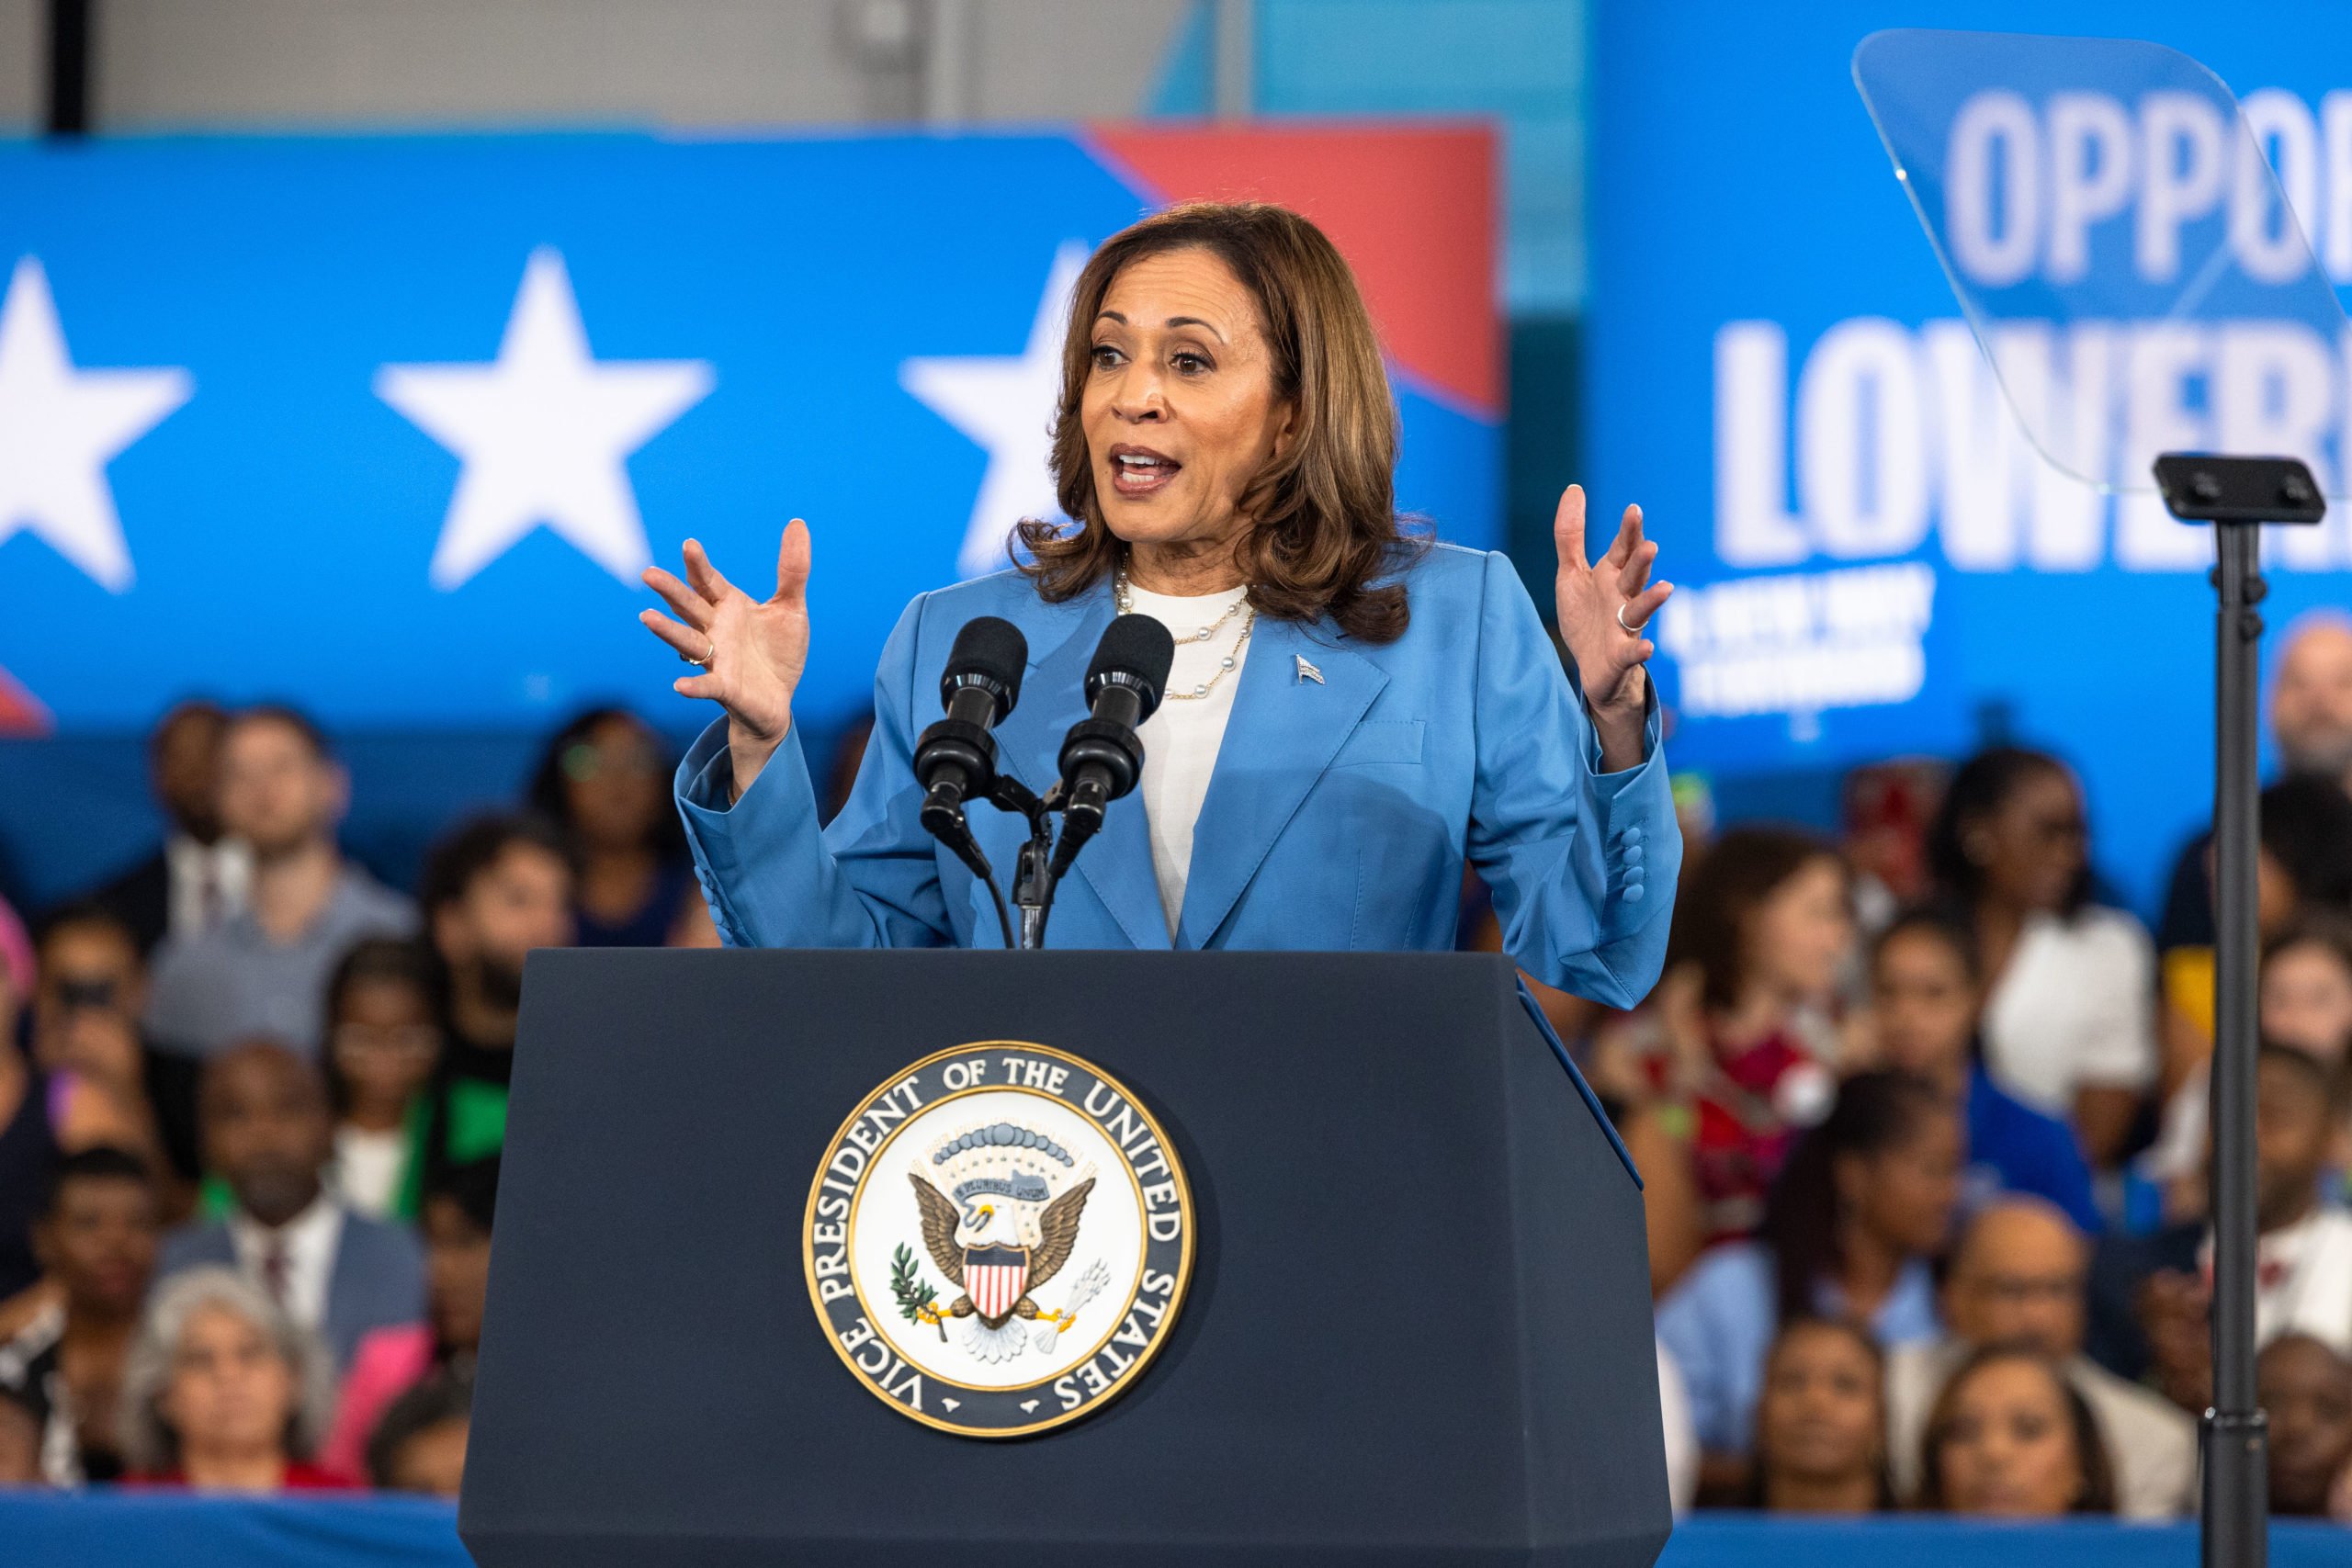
x=752 y=651
x=1604 y=609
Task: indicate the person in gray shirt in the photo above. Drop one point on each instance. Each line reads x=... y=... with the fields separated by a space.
x=262 y=972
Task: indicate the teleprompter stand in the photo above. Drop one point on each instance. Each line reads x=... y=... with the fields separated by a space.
x=2237 y=495
x=1418 y=1329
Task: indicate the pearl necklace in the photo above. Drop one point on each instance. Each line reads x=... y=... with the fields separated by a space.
x=1124 y=601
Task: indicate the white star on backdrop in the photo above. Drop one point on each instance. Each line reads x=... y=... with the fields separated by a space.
x=544 y=431
x=60 y=427
x=1006 y=404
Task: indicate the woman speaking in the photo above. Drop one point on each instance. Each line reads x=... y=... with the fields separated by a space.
x=1352 y=711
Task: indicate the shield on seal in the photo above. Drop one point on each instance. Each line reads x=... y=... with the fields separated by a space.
x=994 y=1278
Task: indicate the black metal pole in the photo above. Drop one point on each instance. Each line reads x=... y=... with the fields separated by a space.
x=2235 y=1431
x=69 y=67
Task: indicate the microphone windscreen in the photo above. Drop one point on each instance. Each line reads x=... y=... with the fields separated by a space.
x=1139 y=649
x=992 y=649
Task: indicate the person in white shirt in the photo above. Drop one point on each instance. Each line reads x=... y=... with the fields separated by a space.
x=266 y=1131
x=2019 y=1276
x=382 y=1041
x=201 y=874
x=2069 y=1022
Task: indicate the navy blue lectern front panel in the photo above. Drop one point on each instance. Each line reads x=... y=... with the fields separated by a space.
x=1418 y=1328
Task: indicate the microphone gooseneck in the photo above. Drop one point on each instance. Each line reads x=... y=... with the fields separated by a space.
x=956 y=758
x=1101 y=756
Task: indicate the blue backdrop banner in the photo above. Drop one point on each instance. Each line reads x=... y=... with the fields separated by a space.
x=1874 y=559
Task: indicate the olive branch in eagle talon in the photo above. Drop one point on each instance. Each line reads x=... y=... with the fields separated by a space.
x=914 y=1295
x=1057 y=1234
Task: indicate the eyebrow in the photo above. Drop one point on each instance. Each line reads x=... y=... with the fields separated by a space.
x=1172 y=321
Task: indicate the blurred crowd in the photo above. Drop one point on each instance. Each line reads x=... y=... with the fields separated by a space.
x=252 y=1104
x=1921 y=1111
x=1922 y=1114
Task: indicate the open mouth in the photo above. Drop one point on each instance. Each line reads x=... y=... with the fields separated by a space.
x=1139 y=471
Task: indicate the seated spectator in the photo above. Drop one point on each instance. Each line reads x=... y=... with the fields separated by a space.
x=2306 y=988
x=457 y=1214
x=336 y=1273
x=420 y=1446
x=2010 y=1438
x=42 y=1115
x=2149 y=1296
x=2068 y=1023
x=21 y=1437
x=1864 y=1204
x=382 y=1041
x=2304 y=876
x=262 y=972
x=200 y=875
x=2307 y=1389
x=1926 y=987
x=97 y=1244
x=2017 y=1277
x=91 y=994
x=1760 y=938
x=223 y=1392
x=604 y=783
x=493 y=890
x=1821 y=1423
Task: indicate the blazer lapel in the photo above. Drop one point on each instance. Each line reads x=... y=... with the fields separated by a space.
x=1117 y=864
x=1285 y=729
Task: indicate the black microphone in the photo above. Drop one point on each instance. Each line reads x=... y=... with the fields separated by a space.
x=1101 y=756
x=956 y=758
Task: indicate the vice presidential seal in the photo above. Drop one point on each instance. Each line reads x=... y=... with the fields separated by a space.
x=999 y=1239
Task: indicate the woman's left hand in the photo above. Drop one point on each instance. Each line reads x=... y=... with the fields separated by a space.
x=1604 y=609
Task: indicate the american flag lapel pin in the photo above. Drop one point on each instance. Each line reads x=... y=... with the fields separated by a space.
x=1307 y=671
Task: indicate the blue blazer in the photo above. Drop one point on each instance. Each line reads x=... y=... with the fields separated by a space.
x=1340 y=813
x=377 y=1279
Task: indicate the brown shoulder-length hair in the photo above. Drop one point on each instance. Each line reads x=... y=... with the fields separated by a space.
x=2097 y=1494
x=1323 y=522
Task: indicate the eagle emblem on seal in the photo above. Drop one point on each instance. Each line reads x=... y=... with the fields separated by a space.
x=1001 y=1207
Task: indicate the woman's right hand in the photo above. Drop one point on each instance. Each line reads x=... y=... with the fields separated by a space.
x=752 y=652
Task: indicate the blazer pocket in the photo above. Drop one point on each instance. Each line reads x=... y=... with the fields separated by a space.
x=1382 y=740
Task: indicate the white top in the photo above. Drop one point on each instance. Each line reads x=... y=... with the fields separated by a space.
x=2074 y=1010
x=369 y=1167
x=2302 y=1279
x=205 y=883
x=1180 y=740
x=310 y=1239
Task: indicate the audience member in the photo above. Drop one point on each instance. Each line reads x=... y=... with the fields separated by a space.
x=2016 y=1278
x=2149 y=1295
x=200 y=875
x=2311 y=720
x=224 y=1390
x=1821 y=1422
x=2306 y=988
x=20 y=1441
x=1864 y=1203
x=42 y=1115
x=91 y=993
x=604 y=783
x=262 y=972
x=493 y=890
x=382 y=1041
x=1884 y=810
x=266 y=1131
x=420 y=1446
x=2304 y=995
x=1926 y=990
x=458 y=1214
x=97 y=1244
x=2068 y=1021
x=1681 y=1437
x=2306 y=1388
x=1759 y=939
x=2010 y=1438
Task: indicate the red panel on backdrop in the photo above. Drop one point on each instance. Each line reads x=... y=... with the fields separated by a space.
x=20 y=712
x=1412 y=208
